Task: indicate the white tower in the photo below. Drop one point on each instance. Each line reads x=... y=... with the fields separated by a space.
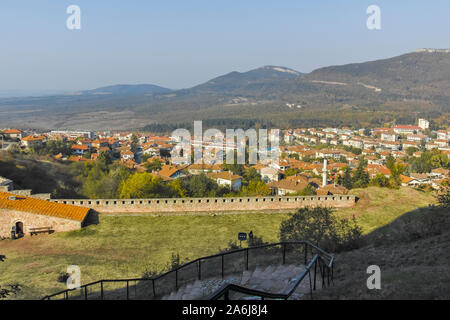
x=424 y=124
x=324 y=173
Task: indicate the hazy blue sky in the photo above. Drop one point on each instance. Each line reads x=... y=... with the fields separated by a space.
x=183 y=43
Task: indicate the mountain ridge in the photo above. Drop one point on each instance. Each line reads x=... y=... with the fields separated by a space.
x=374 y=92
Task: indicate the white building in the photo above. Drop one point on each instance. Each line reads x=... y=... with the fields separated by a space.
x=424 y=124
x=226 y=178
x=389 y=136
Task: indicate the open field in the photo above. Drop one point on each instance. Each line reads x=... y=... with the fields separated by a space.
x=123 y=246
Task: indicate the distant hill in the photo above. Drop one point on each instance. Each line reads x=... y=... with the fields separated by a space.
x=372 y=93
x=124 y=89
x=419 y=73
x=238 y=80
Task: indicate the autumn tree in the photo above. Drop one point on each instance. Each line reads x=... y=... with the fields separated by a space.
x=144 y=185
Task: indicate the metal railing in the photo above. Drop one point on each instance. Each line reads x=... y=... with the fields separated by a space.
x=320 y=259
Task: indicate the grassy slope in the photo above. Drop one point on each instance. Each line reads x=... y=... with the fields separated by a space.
x=38 y=174
x=122 y=246
x=411 y=250
x=413 y=256
x=377 y=207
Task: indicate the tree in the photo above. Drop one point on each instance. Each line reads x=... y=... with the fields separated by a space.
x=155 y=165
x=380 y=180
x=439 y=160
x=323 y=227
x=411 y=150
x=202 y=186
x=444 y=199
x=255 y=188
x=178 y=188
x=235 y=168
x=396 y=170
x=291 y=172
x=134 y=143
x=429 y=160
x=104 y=159
x=99 y=179
x=361 y=178
x=390 y=161
x=145 y=157
x=347 y=180
x=308 y=191
x=251 y=175
x=52 y=147
x=144 y=185
x=339 y=180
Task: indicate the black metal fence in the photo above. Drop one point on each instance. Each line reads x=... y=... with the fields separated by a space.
x=218 y=265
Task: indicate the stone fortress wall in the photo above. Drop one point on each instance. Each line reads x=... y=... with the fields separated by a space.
x=211 y=204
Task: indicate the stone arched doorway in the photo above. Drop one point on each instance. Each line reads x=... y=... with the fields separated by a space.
x=19 y=228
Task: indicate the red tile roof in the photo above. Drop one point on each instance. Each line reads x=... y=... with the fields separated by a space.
x=42 y=207
x=12 y=131
x=80 y=147
x=33 y=138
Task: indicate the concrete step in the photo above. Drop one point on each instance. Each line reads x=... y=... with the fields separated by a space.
x=258 y=273
x=246 y=276
x=269 y=271
x=273 y=278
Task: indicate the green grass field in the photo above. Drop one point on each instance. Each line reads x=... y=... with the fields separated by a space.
x=377 y=207
x=126 y=246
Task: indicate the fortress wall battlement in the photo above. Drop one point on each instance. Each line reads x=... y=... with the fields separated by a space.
x=163 y=205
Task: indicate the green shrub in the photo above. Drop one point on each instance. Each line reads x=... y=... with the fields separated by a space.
x=443 y=199
x=323 y=227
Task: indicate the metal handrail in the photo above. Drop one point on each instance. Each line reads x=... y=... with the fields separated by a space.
x=224 y=290
x=198 y=260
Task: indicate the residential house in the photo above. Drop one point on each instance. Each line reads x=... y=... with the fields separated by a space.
x=441 y=143
x=269 y=174
x=80 y=149
x=199 y=168
x=408 y=181
x=442 y=135
x=33 y=141
x=13 y=133
x=422 y=178
x=417 y=137
x=287 y=186
x=389 y=136
x=374 y=169
x=173 y=171
x=439 y=173
x=127 y=155
x=406 y=129
x=227 y=178
x=388 y=145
